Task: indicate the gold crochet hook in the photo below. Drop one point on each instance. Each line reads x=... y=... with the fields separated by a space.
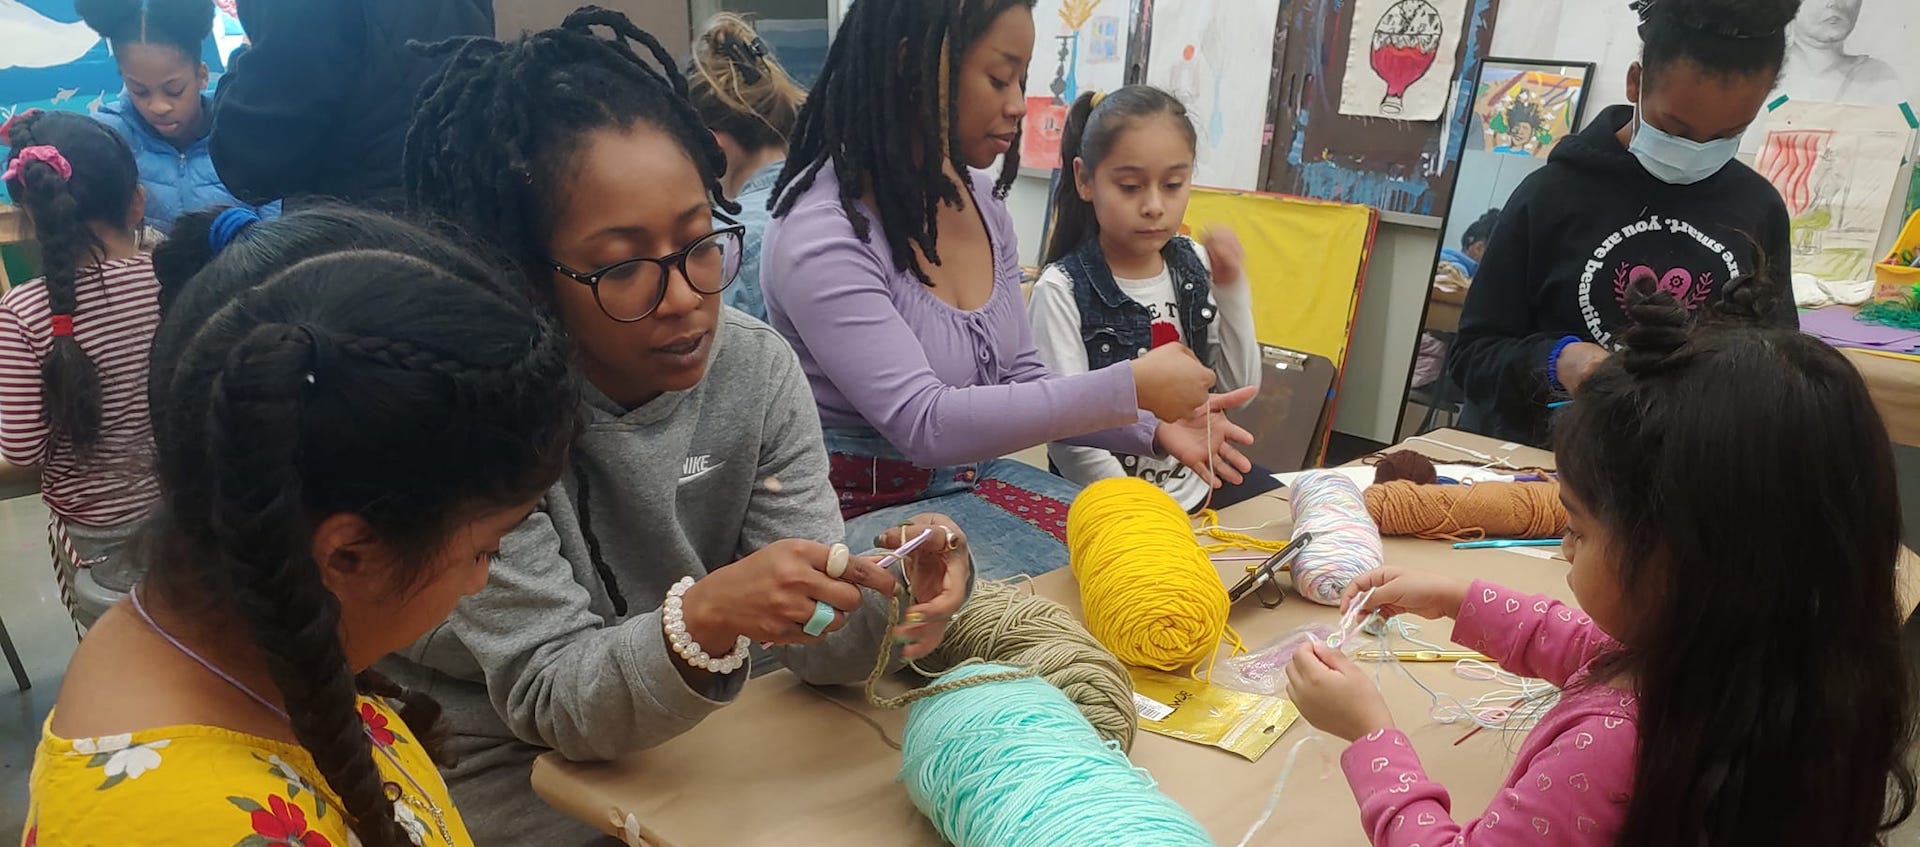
x=1419 y=655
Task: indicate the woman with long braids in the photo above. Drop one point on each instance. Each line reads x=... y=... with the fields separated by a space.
x=697 y=516
x=73 y=349
x=891 y=266
x=349 y=414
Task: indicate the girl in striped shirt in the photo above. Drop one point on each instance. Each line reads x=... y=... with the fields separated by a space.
x=74 y=347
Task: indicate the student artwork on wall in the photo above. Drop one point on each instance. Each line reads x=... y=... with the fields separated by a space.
x=1217 y=57
x=1525 y=108
x=1400 y=63
x=1082 y=47
x=1836 y=167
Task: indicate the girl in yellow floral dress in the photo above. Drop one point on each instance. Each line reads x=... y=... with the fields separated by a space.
x=349 y=413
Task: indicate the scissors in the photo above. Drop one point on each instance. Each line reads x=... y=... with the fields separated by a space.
x=1264 y=574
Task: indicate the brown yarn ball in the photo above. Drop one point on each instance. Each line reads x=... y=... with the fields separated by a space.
x=1405 y=465
x=1468 y=512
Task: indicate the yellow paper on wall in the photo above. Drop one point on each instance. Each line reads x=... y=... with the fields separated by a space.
x=1182 y=707
x=1304 y=261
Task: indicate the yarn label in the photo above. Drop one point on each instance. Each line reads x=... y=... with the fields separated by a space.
x=1150 y=709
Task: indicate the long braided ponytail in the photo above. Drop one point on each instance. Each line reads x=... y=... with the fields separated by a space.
x=89 y=179
x=402 y=383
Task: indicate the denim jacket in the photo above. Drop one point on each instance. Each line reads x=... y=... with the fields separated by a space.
x=1115 y=327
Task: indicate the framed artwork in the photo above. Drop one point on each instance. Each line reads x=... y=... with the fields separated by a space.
x=1523 y=107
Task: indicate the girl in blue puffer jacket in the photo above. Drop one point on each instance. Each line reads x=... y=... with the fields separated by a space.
x=164 y=114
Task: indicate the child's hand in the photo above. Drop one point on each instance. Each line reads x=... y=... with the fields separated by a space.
x=1334 y=694
x=1225 y=255
x=1397 y=591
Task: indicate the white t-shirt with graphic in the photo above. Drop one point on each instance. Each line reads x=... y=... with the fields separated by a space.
x=1056 y=333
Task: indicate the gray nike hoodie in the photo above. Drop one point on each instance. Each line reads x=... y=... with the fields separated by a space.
x=687 y=483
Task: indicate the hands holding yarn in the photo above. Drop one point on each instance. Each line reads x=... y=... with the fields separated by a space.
x=770 y=595
x=1170 y=381
x=938 y=573
x=1205 y=440
x=1400 y=591
x=1334 y=694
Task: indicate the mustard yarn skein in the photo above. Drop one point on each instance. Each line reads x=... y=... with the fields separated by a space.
x=1150 y=594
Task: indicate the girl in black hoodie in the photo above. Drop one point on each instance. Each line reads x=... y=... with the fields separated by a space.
x=1647 y=191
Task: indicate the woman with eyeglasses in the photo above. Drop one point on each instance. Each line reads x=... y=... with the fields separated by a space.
x=696 y=514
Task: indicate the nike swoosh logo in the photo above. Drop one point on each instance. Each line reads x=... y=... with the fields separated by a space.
x=694 y=476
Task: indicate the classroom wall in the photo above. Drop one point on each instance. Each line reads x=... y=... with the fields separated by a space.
x=667 y=21
x=1394 y=295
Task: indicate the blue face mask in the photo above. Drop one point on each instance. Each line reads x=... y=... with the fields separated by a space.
x=1676 y=160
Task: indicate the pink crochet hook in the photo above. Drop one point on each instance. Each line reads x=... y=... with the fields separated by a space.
x=905 y=549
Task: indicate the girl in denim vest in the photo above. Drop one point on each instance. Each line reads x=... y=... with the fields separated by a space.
x=1120 y=280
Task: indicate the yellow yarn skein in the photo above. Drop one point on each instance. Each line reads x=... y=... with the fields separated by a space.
x=1150 y=595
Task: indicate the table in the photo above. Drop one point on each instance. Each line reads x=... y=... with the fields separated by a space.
x=12 y=229
x=1895 y=386
x=788 y=764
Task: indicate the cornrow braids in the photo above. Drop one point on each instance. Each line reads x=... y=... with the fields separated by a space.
x=870 y=118
x=495 y=129
x=412 y=389
x=63 y=208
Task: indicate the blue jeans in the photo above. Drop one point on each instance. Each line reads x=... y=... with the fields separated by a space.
x=1014 y=515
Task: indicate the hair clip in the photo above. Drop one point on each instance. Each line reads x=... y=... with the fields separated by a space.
x=747 y=56
x=1098 y=98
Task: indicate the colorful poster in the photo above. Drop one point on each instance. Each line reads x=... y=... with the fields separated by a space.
x=1836 y=168
x=1401 y=61
x=1526 y=112
x=1217 y=56
x=1082 y=46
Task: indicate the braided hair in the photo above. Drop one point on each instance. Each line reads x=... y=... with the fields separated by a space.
x=1747 y=487
x=495 y=129
x=339 y=361
x=870 y=111
x=64 y=209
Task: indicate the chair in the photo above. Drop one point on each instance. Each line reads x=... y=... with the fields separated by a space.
x=13 y=659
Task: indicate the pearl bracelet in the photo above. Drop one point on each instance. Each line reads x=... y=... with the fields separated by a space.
x=673 y=619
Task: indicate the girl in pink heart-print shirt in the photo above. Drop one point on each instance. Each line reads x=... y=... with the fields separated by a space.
x=1733 y=675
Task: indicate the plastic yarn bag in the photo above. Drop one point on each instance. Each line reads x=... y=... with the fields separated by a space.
x=1264 y=671
x=1346 y=542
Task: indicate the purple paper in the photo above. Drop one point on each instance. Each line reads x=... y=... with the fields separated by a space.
x=1838 y=326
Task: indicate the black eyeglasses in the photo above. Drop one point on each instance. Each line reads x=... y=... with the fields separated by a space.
x=630 y=290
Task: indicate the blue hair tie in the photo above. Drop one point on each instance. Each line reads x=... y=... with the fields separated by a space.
x=228 y=225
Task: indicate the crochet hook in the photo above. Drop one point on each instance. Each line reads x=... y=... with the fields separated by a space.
x=1419 y=655
x=1507 y=542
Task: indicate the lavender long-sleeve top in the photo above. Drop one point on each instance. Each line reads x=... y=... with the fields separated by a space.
x=944 y=386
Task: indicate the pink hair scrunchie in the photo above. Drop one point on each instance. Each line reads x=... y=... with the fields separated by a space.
x=44 y=153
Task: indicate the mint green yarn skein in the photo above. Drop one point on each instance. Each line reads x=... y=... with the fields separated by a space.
x=1012 y=763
